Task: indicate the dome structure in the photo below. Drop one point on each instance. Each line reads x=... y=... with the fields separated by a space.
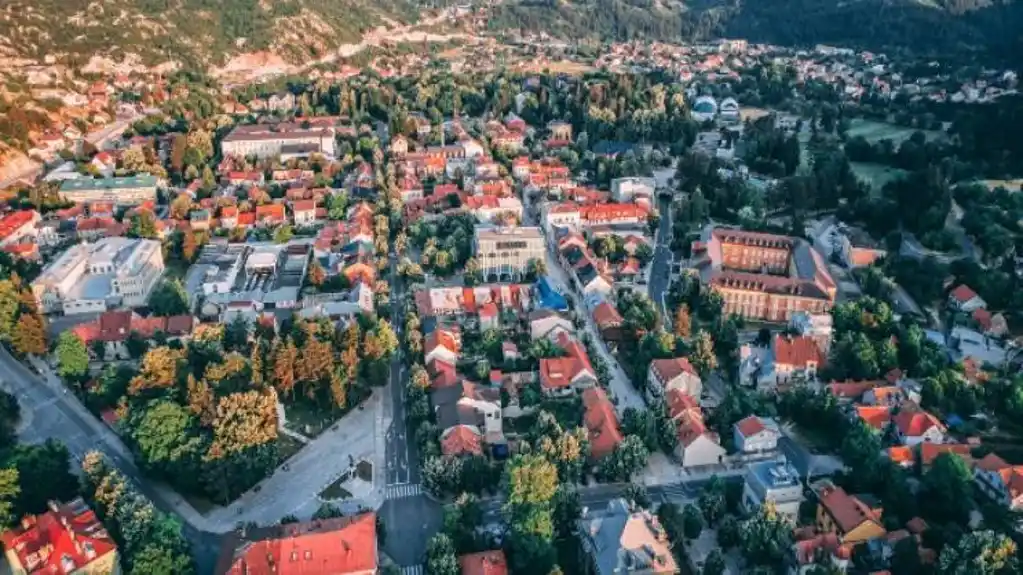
x=729 y=109
x=704 y=109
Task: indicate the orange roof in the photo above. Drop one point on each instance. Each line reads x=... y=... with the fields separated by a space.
x=65 y=531
x=461 y=440
x=601 y=422
x=13 y=221
x=680 y=402
x=916 y=423
x=669 y=369
x=270 y=211
x=360 y=271
x=606 y=315
x=484 y=563
x=901 y=455
x=334 y=546
x=930 y=451
x=982 y=317
x=304 y=205
x=750 y=426
x=797 y=351
x=441 y=338
x=875 y=416
x=992 y=462
x=963 y=293
x=558 y=372
x=886 y=395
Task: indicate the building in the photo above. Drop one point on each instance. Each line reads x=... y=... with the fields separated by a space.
x=818 y=327
x=601 y=423
x=999 y=481
x=633 y=189
x=113 y=272
x=484 y=563
x=129 y=191
x=508 y=251
x=476 y=408
x=270 y=140
x=756 y=434
x=113 y=328
x=697 y=446
x=915 y=426
x=336 y=546
x=566 y=375
x=67 y=539
x=963 y=298
x=761 y=276
x=774 y=481
x=16 y=226
x=705 y=109
x=266 y=275
x=676 y=373
x=620 y=541
x=847 y=516
x=548 y=324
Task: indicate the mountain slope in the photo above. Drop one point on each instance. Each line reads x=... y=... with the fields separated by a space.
x=200 y=32
x=925 y=26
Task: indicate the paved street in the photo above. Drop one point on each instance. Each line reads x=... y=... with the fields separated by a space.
x=660 y=267
x=402 y=458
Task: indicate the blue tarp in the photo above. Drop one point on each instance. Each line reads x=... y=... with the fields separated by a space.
x=549 y=298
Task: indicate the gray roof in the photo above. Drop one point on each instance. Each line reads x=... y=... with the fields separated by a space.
x=614 y=551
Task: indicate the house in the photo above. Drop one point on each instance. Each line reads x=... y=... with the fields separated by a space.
x=601 y=423
x=999 y=481
x=621 y=541
x=608 y=321
x=270 y=214
x=470 y=405
x=792 y=358
x=964 y=299
x=114 y=328
x=304 y=212
x=335 y=546
x=890 y=395
x=461 y=440
x=756 y=434
x=914 y=427
x=548 y=324
x=696 y=444
x=876 y=417
x=564 y=375
x=775 y=481
x=68 y=538
x=809 y=555
x=675 y=373
x=484 y=563
x=846 y=516
x=848 y=391
x=930 y=451
x=990 y=324
x=444 y=345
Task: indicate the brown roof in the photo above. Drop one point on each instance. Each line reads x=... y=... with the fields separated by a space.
x=461 y=440
x=797 y=351
x=606 y=315
x=484 y=563
x=669 y=369
x=601 y=422
x=847 y=510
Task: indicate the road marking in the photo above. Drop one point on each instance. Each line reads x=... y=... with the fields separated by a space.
x=413 y=570
x=402 y=491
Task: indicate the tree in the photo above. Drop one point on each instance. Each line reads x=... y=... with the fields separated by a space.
x=906 y=557
x=440 y=556
x=166 y=438
x=683 y=323
x=316 y=274
x=712 y=500
x=765 y=537
x=189 y=246
x=29 y=336
x=180 y=207
x=728 y=532
x=9 y=492
x=692 y=522
x=950 y=481
x=156 y=558
x=703 y=357
x=143 y=225
x=629 y=457
x=44 y=474
x=72 y=357
x=283 y=234
x=168 y=299
x=979 y=553
x=638 y=495
x=159 y=370
x=714 y=564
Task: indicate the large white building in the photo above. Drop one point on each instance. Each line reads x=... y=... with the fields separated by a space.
x=128 y=191
x=508 y=250
x=95 y=277
x=285 y=139
x=632 y=188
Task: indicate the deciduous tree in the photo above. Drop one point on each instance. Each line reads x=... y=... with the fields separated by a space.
x=72 y=357
x=29 y=336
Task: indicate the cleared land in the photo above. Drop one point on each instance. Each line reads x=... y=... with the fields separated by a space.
x=559 y=67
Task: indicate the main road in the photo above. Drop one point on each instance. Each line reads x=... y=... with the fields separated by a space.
x=660 y=268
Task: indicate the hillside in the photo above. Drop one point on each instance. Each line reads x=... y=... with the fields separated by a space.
x=931 y=26
x=192 y=32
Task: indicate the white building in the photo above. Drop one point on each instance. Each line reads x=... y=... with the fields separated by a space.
x=133 y=190
x=774 y=481
x=676 y=373
x=756 y=434
x=113 y=272
x=628 y=189
x=508 y=250
x=265 y=141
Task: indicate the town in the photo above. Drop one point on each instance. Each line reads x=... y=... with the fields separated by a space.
x=518 y=307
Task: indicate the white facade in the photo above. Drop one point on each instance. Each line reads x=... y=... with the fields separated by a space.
x=628 y=189
x=262 y=142
x=508 y=250
x=112 y=272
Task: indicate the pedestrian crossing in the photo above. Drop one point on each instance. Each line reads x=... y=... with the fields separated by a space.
x=403 y=490
x=413 y=570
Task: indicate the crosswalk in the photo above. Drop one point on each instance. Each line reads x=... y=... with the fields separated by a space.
x=403 y=490
x=413 y=570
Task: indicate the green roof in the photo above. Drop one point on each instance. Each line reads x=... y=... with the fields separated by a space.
x=91 y=184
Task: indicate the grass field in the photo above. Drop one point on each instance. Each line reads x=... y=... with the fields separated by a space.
x=876 y=131
x=877 y=175
x=559 y=67
x=1014 y=185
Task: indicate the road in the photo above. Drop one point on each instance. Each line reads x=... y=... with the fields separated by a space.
x=411 y=518
x=660 y=267
x=49 y=413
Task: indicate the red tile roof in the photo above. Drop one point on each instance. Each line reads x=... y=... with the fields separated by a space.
x=930 y=451
x=669 y=369
x=335 y=546
x=680 y=402
x=42 y=542
x=798 y=352
x=11 y=222
x=485 y=563
x=270 y=212
x=847 y=510
x=607 y=316
x=875 y=416
x=461 y=440
x=750 y=426
x=901 y=455
x=982 y=317
x=601 y=422
x=558 y=372
x=916 y=423
x=963 y=293
x=851 y=389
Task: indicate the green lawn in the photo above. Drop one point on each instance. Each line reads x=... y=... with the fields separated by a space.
x=877 y=175
x=876 y=131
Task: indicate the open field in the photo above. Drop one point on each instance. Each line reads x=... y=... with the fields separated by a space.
x=874 y=132
x=559 y=67
x=1012 y=185
x=877 y=175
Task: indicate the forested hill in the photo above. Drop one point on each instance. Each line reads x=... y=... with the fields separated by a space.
x=931 y=26
x=192 y=31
